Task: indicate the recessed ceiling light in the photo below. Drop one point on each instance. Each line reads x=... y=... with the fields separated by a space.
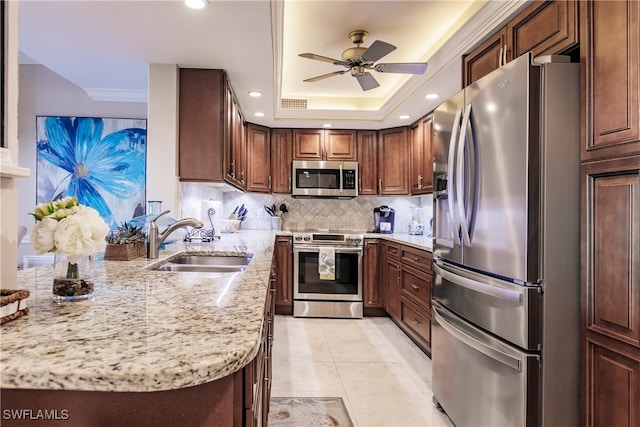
x=432 y=96
x=404 y=116
x=255 y=93
x=195 y=4
x=327 y=125
x=258 y=114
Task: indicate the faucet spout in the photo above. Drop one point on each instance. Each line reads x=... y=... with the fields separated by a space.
x=155 y=237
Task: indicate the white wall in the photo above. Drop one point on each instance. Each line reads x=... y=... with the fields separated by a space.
x=45 y=93
x=8 y=185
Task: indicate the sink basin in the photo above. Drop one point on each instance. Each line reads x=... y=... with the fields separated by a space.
x=207 y=264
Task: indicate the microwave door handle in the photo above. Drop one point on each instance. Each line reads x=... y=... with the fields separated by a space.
x=461 y=200
x=341 y=187
x=452 y=177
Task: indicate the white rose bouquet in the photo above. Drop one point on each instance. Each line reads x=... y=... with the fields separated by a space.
x=69 y=228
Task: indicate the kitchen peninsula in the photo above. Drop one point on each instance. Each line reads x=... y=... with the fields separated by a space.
x=150 y=348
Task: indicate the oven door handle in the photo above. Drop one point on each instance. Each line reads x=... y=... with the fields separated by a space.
x=474 y=343
x=338 y=249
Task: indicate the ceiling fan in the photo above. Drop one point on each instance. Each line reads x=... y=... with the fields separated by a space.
x=359 y=60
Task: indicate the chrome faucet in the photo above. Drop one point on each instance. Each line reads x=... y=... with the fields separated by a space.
x=155 y=238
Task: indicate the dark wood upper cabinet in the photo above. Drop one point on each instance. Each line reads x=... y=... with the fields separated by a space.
x=324 y=144
x=543 y=28
x=281 y=156
x=258 y=159
x=484 y=59
x=609 y=50
x=340 y=145
x=367 y=162
x=235 y=154
x=201 y=124
x=421 y=161
x=393 y=162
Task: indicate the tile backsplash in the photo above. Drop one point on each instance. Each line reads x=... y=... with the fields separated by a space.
x=332 y=214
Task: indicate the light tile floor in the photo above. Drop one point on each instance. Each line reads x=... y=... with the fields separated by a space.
x=383 y=378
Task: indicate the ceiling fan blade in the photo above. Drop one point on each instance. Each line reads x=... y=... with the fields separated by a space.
x=367 y=81
x=321 y=58
x=377 y=50
x=406 y=68
x=324 y=76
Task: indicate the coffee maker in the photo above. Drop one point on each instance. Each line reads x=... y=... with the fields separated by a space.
x=383 y=218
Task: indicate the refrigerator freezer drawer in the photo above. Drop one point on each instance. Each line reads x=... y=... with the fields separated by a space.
x=479 y=380
x=510 y=311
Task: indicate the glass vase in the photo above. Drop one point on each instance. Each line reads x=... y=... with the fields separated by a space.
x=72 y=280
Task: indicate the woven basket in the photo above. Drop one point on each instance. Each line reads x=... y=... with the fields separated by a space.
x=8 y=296
x=124 y=252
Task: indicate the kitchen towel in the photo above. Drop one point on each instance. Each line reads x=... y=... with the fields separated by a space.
x=327 y=263
x=217 y=217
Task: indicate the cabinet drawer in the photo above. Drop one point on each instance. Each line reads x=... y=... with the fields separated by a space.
x=392 y=250
x=416 y=322
x=416 y=258
x=416 y=285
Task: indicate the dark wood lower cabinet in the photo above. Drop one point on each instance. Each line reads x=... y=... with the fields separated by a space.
x=611 y=292
x=612 y=382
x=371 y=284
x=283 y=275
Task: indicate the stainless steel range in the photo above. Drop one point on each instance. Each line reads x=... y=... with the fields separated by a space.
x=327 y=274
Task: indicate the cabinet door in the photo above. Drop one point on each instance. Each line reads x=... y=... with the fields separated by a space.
x=609 y=50
x=340 y=145
x=258 y=159
x=421 y=160
x=200 y=129
x=612 y=385
x=610 y=243
x=281 y=153
x=284 y=280
x=543 y=28
x=308 y=144
x=367 y=162
x=393 y=162
x=485 y=58
x=371 y=274
x=393 y=277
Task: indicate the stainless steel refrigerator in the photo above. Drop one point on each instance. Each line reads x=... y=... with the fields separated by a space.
x=505 y=331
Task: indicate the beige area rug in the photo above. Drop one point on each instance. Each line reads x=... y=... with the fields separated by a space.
x=308 y=412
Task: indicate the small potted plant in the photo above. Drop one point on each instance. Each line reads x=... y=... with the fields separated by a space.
x=125 y=243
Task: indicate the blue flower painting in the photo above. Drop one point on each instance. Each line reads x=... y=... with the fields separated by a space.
x=101 y=161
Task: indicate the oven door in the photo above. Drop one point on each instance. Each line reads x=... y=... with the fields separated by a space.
x=307 y=284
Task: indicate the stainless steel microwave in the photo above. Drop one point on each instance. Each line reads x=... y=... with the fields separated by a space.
x=317 y=178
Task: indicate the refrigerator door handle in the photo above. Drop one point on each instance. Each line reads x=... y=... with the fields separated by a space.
x=475 y=343
x=474 y=285
x=453 y=178
x=463 y=175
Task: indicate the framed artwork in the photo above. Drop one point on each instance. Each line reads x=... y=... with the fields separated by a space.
x=101 y=161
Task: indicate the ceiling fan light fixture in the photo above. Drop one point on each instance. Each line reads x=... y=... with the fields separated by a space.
x=196 y=4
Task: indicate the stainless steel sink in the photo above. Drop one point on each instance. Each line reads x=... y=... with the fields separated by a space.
x=206 y=264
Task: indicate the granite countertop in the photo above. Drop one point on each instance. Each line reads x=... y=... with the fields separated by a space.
x=143 y=330
x=423 y=242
